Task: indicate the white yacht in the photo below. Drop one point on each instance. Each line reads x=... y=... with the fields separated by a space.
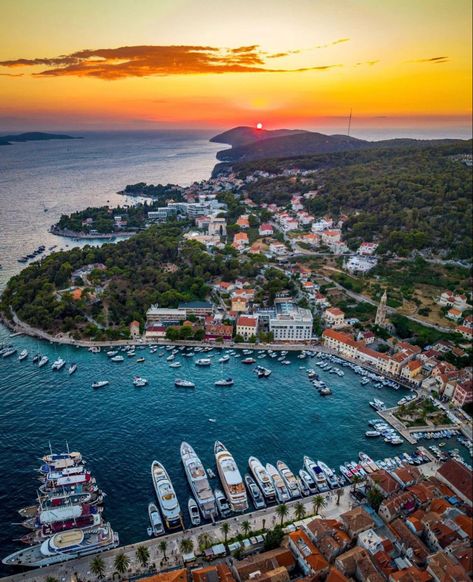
x=231 y=479
x=23 y=355
x=139 y=382
x=317 y=474
x=157 y=527
x=58 y=364
x=282 y=492
x=224 y=359
x=289 y=479
x=263 y=480
x=100 y=384
x=194 y=513
x=222 y=503
x=330 y=475
x=198 y=481
x=203 y=362
x=181 y=383
x=308 y=481
x=166 y=496
x=72 y=368
x=117 y=358
x=43 y=361
x=224 y=382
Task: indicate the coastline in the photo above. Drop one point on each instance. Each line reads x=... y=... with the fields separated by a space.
x=87 y=235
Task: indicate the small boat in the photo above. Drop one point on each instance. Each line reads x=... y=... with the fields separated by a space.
x=372 y=433
x=100 y=384
x=36 y=358
x=9 y=352
x=58 y=364
x=23 y=355
x=224 y=382
x=139 y=382
x=173 y=364
x=43 y=361
x=262 y=372
x=157 y=527
x=222 y=503
x=255 y=493
x=194 y=513
x=181 y=383
x=111 y=353
x=203 y=362
x=224 y=359
x=117 y=358
x=210 y=473
x=72 y=368
x=140 y=360
x=248 y=361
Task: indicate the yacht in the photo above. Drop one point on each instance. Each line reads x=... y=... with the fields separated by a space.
x=139 y=382
x=117 y=358
x=289 y=479
x=64 y=546
x=255 y=493
x=9 y=352
x=112 y=353
x=262 y=372
x=58 y=364
x=224 y=382
x=248 y=361
x=222 y=503
x=198 y=481
x=43 y=361
x=224 y=359
x=304 y=489
x=36 y=358
x=231 y=479
x=194 y=513
x=157 y=527
x=372 y=433
x=263 y=480
x=174 y=364
x=72 y=368
x=166 y=496
x=307 y=480
x=100 y=384
x=330 y=475
x=181 y=383
x=23 y=355
x=282 y=492
x=203 y=362
x=378 y=404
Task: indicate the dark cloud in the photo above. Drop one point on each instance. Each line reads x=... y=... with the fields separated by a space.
x=338 y=41
x=143 y=61
x=369 y=63
x=434 y=60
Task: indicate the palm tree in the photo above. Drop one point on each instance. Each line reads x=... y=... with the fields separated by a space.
x=205 y=541
x=51 y=579
x=299 y=510
x=163 y=547
x=340 y=492
x=318 y=502
x=142 y=554
x=356 y=479
x=225 y=528
x=282 y=511
x=246 y=527
x=97 y=567
x=186 y=545
x=121 y=563
x=264 y=524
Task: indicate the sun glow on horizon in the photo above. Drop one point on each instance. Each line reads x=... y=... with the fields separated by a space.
x=259 y=125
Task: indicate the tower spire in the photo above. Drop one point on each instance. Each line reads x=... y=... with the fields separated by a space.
x=380 y=319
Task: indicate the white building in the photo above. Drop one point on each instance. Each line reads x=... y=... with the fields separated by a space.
x=290 y=323
x=360 y=264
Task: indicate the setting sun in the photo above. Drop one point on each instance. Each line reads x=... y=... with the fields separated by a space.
x=259 y=125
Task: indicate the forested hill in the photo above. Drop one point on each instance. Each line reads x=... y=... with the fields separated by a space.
x=405 y=198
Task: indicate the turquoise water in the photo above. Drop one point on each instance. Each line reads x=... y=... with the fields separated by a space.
x=120 y=429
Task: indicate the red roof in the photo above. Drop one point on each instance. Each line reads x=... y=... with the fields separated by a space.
x=458 y=476
x=247 y=321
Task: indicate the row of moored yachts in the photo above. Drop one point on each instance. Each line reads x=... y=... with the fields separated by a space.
x=39 y=359
x=67 y=520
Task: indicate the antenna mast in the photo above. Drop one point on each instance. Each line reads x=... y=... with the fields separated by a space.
x=349 y=123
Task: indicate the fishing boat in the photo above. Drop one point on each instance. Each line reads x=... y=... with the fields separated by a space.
x=157 y=527
x=198 y=481
x=43 y=361
x=100 y=384
x=280 y=488
x=72 y=368
x=231 y=478
x=224 y=382
x=58 y=364
x=263 y=480
x=23 y=355
x=317 y=474
x=308 y=481
x=255 y=492
x=139 y=382
x=289 y=479
x=222 y=503
x=181 y=383
x=65 y=546
x=166 y=496
x=194 y=513
x=203 y=362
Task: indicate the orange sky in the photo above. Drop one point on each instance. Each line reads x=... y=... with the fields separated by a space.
x=180 y=63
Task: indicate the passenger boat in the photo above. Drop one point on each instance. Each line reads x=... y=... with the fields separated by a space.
x=43 y=361
x=280 y=488
x=255 y=493
x=23 y=355
x=100 y=384
x=224 y=382
x=307 y=479
x=65 y=546
x=72 y=368
x=194 y=513
x=203 y=362
x=117 y=358
x=231 y=479
x=181 y=383
x=222 y=504
x=157 y=527
x=198 y=481
x=67 y=482
x=166 y=496
x=263 y=480
x=317 y=474
x=139 y=382
x=60 y=461
x=330 y=475
x=289 y=479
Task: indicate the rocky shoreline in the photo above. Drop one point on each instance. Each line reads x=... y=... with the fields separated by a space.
x=86 y=235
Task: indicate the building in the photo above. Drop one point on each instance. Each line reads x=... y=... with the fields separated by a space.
x=290 y=323
x=216 y=331
x=217 y=226
x=458 y=478
x=360 y=264
x=329 y=536
x=134 y=329
x=450 y=299
x=380 y=318
x=384 y=482
x=310 y=560
x=367 y=248
x=240 y=241
x=356 y=521
x=247 y=326
x=454 y=314
x=265 y=229
x=254 y=567
x=334 y=317
x=443 y=569
x=197 y=308
x=179 y=575
x=243 y=221
x=463 y=393
x=240 y=304
x=164 y=315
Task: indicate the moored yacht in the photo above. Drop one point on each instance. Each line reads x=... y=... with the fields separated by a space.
x=194 y=513
x=58 y=364
x=157 y=527
x=231 y=479
x=203 y=362
x=72 y=368
x=166 y=495
x=224 y=382
x=263 y=480
x=222 y=503
x=308 y=481
x=255 y=493
x=23 y=355
x=330 y=475
x=43 y=361
x=317 y=474
x=198 y=481
x=280 y=488
x=289 y=479
x=181 y=383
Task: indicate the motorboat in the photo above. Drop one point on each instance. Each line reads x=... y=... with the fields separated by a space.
x=372 y=433
x=378 y=404
x=43 y=361
x=203 y=362
x=222 y=504
x=308 y=481
x=262 y=372
x=317 y=474
x=248 y=361
x=72 y=368
x=210 y=473
x=36 y=358
x=139 y=382
x=289 y=479
x=330 y=475
x=100 y=384
x=262 y=478
x=255 y=492
x=182 y=383
x=140 y=360
x=224 y=359
x=23 y=355
x=174 y=364
x=198 y=481
x=224 y=382
x=117 y=358
x=304 y=489
x=166 y=495
x=112 y=353
x=9 y=352
x=279 y=485
x=231 y=479
x=194 y=513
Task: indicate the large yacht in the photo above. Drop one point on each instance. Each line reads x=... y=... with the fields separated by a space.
x=198 y=481
x=317 y=474
x=289 y=479
x=282 y=492
x=231 y=479
x=166 y=496
x=64 y=546
x=263 y=480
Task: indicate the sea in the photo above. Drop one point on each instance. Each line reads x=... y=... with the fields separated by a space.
x=121 y=429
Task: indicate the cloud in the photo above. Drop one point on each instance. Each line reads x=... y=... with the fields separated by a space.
x=146 y=60
x=11 y=74
x=333 y=43
x=369 y=63
x=434 y=60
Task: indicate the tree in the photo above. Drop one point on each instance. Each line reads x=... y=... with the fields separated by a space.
x=282 y=511
x=246 y=527
x=299 y=510
x=186 y=545
x=340 y=492
x=142 y=554
x=356 y=480
x=273 y=538
x=97 y=567
x=225 y=529
x=163 y=547
x=205 y=541
x=318 y=502
x=121 y=563
x=374 y=497
x=51 y=579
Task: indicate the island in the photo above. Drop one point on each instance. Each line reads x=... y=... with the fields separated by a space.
x=33 y=136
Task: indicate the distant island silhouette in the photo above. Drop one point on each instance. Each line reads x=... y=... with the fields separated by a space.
x=33 y=136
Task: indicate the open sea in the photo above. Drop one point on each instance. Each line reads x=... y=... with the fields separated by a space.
x=121 y=429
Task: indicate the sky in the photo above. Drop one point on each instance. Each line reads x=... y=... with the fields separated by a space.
x=159 y=64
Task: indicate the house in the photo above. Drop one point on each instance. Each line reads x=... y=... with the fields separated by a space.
x=384 y=482
x=310 y=560
x=239 y=304
x=367 y=248
x=450 y=299
x=409 y=544
x=240 y=241
x=321 y=225
x=329 y=536
x=465 y=331
x=463 y=393
x=454 y=314
x=443 y=569
x=458 y=477
x=243 y=221
x=179 y=575
x=311 y=239
x=265 y=229
x=296 y=203
x=359 y=264
x=357 y=563
x=411 y=574
x=411 y=370
x=197 y=308
x=356 y=521
x=224 y=287
x=308 y=287
x=407 y=475
x=134 y=329
x=247 y=326
x=329 y=237
x=321 y=300
x=215 y=331
x=218 y=573
x=396 y=505
x=371 y=541
x=277 y=248
x=334 y=317
x=252 y=567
